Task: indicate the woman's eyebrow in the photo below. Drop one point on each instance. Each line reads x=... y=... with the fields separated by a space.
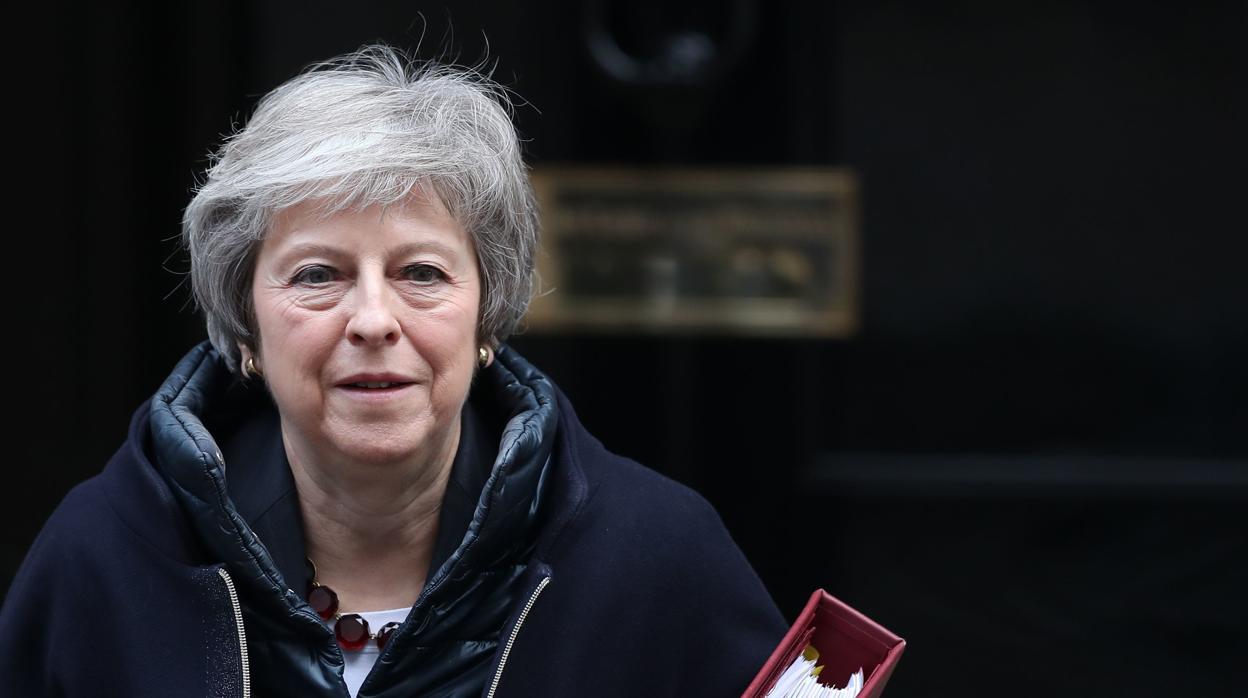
x=435 y=246
x=302 y=250
x=310 y=249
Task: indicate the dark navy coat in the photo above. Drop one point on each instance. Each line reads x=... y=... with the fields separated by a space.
x=575 y=572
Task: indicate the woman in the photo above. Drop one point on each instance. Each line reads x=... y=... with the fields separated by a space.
x=355 y=488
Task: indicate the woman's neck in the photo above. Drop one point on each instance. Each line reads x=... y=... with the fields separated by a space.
x=371 y=530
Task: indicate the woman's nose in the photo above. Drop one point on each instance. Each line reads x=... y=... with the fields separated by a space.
x=374 y=318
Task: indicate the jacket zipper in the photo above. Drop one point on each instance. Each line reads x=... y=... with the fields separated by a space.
x=242 y=636
x=502 y=661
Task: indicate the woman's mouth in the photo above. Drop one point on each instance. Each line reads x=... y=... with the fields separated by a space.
x=376 y=390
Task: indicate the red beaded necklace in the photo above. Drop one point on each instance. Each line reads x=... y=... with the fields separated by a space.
x=350 y=628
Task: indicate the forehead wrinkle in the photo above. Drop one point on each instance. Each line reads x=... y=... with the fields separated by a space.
x=425 y=218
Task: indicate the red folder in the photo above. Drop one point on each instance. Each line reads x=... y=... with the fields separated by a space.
x=846 y=640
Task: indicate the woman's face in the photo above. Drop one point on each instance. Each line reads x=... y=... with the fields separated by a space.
x=351 y=302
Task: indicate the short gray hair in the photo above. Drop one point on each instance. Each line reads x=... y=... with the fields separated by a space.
x=362 y=129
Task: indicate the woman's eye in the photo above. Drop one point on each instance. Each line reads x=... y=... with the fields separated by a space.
x=314 y=275
x=422 y=273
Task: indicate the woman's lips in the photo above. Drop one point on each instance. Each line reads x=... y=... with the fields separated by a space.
x=375 y=394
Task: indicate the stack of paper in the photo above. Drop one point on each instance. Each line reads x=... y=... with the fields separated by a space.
x=801 y=680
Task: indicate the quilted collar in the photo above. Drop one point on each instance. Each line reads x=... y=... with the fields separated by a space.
x=202 y=405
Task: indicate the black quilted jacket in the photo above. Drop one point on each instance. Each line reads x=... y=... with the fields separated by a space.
x=562 y=570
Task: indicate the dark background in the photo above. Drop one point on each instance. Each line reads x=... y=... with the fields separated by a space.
x=1032 y=459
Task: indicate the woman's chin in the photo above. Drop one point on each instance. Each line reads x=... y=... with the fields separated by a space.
x=377 y=453
x=387 y=446
x=412 y=442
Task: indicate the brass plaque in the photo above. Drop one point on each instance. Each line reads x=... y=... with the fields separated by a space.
x=739 y=251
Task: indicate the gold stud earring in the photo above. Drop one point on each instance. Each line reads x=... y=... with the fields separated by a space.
x=250 y=370
x=483 y=356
